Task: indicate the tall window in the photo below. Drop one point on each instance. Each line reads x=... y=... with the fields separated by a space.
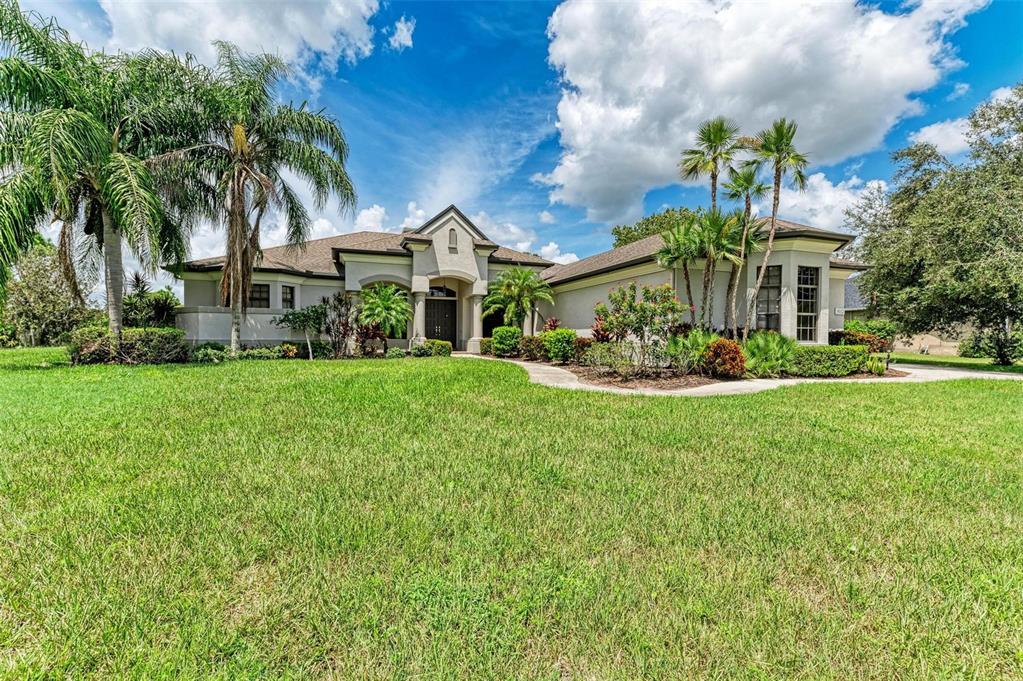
x=769 y=299
x=288 y=297
x=807 y=297
x=452 y=238
x=259 y=296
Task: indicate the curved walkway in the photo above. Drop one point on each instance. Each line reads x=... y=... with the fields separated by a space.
x=556 y=377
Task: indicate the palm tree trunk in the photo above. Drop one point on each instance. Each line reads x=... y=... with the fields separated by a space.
x=113 y=272
x=710 y=297
x=708 y=284
x=735 y=278
x=236 y=251
x=689 y=293
x=767 y=252
x=730 y=310
x=714 y=189
x=309 y=344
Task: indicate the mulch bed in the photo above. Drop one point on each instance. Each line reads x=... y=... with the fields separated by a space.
x=665 y=381
x=891 y=373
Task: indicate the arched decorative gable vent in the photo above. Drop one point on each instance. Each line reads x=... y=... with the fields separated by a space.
x=452 y=238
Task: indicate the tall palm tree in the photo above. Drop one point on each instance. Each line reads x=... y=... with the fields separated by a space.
x=745 y=185
x=717 y=143
x=719 y=237
x=386 y=306
x=681 y=247
x=516 y=292
x=252 y=142
x=775 y=147
x=75 y=130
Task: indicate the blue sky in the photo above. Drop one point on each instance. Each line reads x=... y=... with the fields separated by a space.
x=548 y=124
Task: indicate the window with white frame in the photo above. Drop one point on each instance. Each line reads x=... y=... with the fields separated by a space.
x=259 y=296
x=769 y=300
x=808 y=281
x=288 y=297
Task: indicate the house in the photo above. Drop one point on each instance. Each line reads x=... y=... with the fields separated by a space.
x=447 y=264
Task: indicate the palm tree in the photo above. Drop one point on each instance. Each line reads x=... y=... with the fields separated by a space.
x=744 y=185
x=717 y=142
x=75 y=129
x=681 y=247
x=719 y=236
x=776 y=147
x=516 y=291
x=252 y=141
x=386 y=306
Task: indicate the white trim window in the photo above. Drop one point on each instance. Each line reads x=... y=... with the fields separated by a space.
x=808 y=283
x=769 y=300
x=287 y=297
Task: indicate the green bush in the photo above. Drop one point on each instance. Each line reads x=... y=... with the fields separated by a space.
x=769 y=354
x=94 y=345
x=559 y=344
x=8 y=336
x=873 y=342
x=582 y=346
x=532 y=348
x=876 y=365
x=486 y=346
x=288 y=350
x=210 y=345
x=878 y=327
x=208 y=355
x=438 y=348
x=829 y=360
x=421 y=350
x=148 y=309
x=996 y=344
x=686 y=352
x=506 y=340
x=260 y=353
x=395 y=353
x=610 y=358
x=321 y=350
x=724 y=359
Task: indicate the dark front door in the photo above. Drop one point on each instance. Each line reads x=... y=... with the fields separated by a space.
x=440 y=320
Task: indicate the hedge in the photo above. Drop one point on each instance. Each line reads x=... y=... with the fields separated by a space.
x=96 y=345
x=438 y=348
x=506 y=340
x=486 y=346
x=559 y=345
x=829 y=360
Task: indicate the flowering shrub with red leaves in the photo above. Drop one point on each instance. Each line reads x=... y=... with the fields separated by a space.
x=551 y=324
x=723 y=358
x=599 y=332
x=582 y=344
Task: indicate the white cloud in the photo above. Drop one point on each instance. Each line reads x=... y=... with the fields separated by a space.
x=401 y=37
x=949 y=136
x=371 y=219
x=546 y=217
x=823 y=204
x=639 y=78
x=519 y=238
x=416 y=216
x=958 y=90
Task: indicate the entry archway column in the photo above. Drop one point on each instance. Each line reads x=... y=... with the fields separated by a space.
x=418 y=318
x=473 y=345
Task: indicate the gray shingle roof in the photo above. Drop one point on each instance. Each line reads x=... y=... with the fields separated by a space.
x=853 y=298
x=645 y=249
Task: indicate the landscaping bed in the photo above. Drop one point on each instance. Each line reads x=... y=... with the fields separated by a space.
x=670 y=380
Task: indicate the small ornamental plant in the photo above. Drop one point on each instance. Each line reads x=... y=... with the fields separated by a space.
x=724 y=359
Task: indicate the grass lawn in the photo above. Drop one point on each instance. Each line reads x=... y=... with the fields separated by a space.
x=981 y=363
x=445 y=518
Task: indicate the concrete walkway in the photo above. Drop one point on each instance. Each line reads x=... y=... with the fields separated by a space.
x=556 y=377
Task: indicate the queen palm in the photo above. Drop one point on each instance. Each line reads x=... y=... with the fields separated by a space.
x=252 y=143
x=719 y=238
x=717 y=143
x=775 y=147
x=516 y=292
x=75 y=128
x=743 y=185
x=386 y=306
x=681 y=247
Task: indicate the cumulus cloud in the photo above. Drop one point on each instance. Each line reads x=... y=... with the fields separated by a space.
x=639 y=78
x=823 y=204
x=415 y=217
x=949 y=136
x=371 y=219
x=958 y=90
x=546 y=217
x=401 y=35
x=520 y=238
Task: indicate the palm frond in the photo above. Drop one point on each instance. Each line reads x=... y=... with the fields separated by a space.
x=131 y=197
x=22 y=210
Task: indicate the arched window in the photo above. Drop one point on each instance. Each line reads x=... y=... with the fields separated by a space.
x=452 y=238
x=440 y=292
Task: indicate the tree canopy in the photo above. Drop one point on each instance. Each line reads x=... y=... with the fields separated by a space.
x=658 y=223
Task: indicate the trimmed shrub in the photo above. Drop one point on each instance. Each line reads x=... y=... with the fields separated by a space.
x=486 y=346
x=532 y=348
x=288 y=351
x=210 y=345
x=206 y=355
x=686 y=352
x=581 y=345
x=878 y=327
x=610 y=358
x=321 y=350
x=260 y=353
x=559 y=344
x=551 y=324
x=438 y=348
x=506 y=340
x=769 y=354
x=828 y=360
x=873 y=342
x=395 y=353
x=94 y=345
x=421 y=350
x=724 y=359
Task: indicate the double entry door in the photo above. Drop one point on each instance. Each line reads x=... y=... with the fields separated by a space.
x=440 y=320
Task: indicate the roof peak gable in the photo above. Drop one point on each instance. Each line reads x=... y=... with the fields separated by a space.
x=462 y=217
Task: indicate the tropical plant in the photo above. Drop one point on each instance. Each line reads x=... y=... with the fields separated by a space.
x=768 y=354
x=641 y=319
x=685 y=351
x=516 y=292
x=506 y=340
x=396 y=353
x=681 y=248
x=743 y=184
x=142 y=308
x=252 y=142
x=308 y=321
x=386 y=306
x=717 y=143
x=559 y=345
x=724 y=359
x=76 y=130
x=775 y=148
x=720 y=238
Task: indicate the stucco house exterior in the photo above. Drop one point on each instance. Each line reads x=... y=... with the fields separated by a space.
x=447 y=264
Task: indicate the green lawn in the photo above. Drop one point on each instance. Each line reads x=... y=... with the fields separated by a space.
x=445 y=518
x=980 y=363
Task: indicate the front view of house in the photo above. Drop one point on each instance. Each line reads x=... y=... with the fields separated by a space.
x=447 y=264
